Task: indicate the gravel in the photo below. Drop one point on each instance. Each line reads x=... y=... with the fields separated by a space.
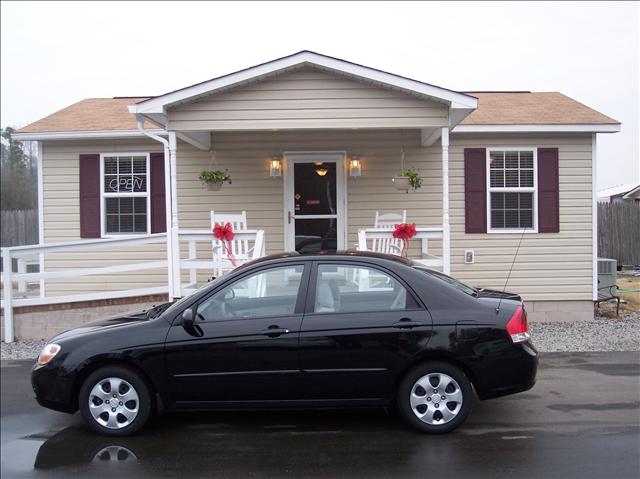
x=604 y=333
x=22 y=349
x=600 y=334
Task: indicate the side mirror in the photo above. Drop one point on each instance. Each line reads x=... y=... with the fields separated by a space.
x=187 y=318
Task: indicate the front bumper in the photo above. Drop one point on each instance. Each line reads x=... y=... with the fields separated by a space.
x=53 y=390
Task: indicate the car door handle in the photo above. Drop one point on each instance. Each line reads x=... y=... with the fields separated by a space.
x=406 y=323
x=274 y=331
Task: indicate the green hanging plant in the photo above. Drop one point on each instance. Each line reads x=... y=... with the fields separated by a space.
x=215 y=178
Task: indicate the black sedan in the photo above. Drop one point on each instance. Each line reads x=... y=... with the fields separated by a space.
x=324 y=330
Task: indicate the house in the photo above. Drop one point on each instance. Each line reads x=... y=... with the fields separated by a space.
x=500 y=169
x=626 y=192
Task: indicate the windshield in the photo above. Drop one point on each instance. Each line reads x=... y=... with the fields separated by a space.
x=448 y=279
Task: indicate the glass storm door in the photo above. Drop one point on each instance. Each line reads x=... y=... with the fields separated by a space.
x=314 y=203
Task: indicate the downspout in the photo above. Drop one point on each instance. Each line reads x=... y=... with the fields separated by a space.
x=168 y=202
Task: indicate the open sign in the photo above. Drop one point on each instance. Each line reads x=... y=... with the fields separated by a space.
x=135 y=183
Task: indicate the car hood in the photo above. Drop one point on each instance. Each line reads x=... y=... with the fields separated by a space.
x=105 y=324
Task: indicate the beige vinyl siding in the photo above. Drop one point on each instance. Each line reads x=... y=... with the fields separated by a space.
x=62 y=222
x=307 y=99
x=549 y=266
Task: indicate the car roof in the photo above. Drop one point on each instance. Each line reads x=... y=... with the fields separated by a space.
x=349 y=255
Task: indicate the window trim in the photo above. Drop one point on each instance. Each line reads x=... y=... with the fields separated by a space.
x=103 y=195
x=310 y=297
x=489 y=189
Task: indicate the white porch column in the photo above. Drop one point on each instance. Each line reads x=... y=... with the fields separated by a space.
x=446 y=232
x=168 y=218
x=173 y=229
x=40 y=172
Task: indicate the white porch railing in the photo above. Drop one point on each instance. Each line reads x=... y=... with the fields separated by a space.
x=367 y=235
x=25 y=254
x=30 y=255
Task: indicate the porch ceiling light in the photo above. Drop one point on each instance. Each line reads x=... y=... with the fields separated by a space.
x=275 y=167
x=355 y=168
x=321 y=171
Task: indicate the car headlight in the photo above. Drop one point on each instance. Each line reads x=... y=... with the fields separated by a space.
x=48 y=353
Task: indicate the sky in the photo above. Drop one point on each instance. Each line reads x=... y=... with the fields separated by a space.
x=56 y=53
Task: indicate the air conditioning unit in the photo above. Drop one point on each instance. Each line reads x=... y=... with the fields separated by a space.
x=607 y=272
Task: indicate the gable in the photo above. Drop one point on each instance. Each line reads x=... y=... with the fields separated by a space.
x=307 y=98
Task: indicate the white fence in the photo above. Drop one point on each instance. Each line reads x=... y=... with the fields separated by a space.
x=31 y=287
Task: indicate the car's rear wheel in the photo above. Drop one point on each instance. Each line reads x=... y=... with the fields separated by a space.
x=435 y=397
x=115 y=401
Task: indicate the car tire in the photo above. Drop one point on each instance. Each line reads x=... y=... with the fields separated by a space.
x=115 y=401
x=419 y=389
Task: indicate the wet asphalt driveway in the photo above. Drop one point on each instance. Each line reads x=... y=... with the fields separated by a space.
x=581 y=420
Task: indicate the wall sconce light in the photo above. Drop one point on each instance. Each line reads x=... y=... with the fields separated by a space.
x=275 y=167
x=355 y=168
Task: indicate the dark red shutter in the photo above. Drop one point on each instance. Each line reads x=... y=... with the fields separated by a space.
x=90 y=196
x=158 y=195
x=475 y=190
x=548 y=191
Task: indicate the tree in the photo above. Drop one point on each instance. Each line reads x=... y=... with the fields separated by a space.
x=18 y=174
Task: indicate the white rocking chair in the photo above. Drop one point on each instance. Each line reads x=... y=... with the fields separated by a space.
x=240 y=248
x=387 y=221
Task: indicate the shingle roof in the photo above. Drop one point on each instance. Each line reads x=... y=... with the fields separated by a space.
x=92 y=114
x=494 y=108
x=532 y=108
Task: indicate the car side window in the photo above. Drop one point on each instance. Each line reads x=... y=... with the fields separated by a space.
x=271 y=292
x=347 y=289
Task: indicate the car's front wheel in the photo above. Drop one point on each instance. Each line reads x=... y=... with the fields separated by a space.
x=115 y=401
x=435 y=397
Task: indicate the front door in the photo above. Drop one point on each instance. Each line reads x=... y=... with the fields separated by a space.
x=314 y=202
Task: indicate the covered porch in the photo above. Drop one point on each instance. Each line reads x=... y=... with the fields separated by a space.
x=313 y=201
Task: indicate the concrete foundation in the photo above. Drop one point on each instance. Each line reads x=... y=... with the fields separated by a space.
x=559 y=310
x=36 y=323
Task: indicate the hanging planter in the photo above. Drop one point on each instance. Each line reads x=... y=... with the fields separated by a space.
x=214 y=179
x=401 y=183
x=407 y=180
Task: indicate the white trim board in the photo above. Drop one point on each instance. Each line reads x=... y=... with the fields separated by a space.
x=161 y=103
x=83 y=135
x=576 y=128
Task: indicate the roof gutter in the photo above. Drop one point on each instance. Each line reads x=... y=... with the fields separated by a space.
x=540 y=128
x=82 y=135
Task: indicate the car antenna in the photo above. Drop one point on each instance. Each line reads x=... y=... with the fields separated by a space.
x=510 y=269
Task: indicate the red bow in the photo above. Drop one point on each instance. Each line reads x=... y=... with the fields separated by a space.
x=404 y=231
x=225 y=234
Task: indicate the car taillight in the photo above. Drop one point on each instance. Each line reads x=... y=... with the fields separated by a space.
x=517 y=326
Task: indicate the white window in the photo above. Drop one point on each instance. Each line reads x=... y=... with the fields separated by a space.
x=125 y=193
x=511 y=190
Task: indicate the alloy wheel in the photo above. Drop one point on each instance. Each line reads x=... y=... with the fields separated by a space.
x=436 y=398
x=113 y=403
